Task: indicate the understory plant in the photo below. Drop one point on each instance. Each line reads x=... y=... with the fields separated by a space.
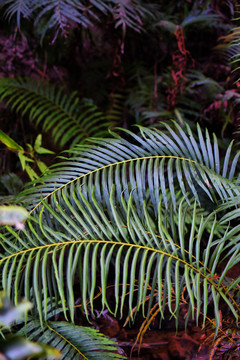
x=154 y=215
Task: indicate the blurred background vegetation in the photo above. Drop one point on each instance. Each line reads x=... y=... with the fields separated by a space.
x=119 y=62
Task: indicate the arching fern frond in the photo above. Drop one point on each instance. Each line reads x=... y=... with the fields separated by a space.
x=105 y=218
x=152 y=163
x=74 y=342
x=69 y=119
x=229 y=45
x=79 y=244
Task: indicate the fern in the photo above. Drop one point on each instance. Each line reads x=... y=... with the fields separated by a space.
x=69 y=120
x=74 y=342
x=91 y=242
x=59 y=15
x=107 y=212
x=18 y=8
x=229 y=48
x=169 y=159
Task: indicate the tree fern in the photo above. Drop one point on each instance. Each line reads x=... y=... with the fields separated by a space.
x=69 y=119
x=107 y=212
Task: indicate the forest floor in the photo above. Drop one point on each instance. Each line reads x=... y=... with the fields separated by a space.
x=158 y=344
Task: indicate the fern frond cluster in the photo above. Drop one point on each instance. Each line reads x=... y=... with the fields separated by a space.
x=131 y=214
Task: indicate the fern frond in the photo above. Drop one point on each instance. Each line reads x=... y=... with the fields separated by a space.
x=81 y=242
x=74 y=342
x=159 y=160
x=229 y=47
x=116 y=110
x=205 y=18
x=59 y=15
x=69 y=120
x=18 y=8
x=103 y=216
x=132 y=14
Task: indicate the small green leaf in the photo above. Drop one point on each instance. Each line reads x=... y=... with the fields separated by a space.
x=9 y=142
x=38 y=142
x=22 y=158
x=31 y=173
x=42 y=166
x=42 y=150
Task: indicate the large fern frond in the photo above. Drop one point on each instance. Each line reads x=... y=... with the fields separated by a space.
x=69 y=119
x=152 y=163
x=105 y=215
x=79 y=244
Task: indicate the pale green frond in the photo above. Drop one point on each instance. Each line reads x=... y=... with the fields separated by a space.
x=91 y=251
x=230 y=209
x=153 y=163
x=131 y=215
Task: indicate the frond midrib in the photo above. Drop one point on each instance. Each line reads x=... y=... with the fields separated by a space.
x=141 y=247
x=111 y=165
x=127 y=161
x=65 y=339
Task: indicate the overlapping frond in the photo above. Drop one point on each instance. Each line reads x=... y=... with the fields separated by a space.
x=152 y=163
x=83 y=242
x=69 y=119
x=130 y=214
x=74 y=342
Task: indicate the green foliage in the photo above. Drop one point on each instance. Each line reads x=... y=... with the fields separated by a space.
x=230 y=48
x=134 y=210
x=27 y=156
x=9 y=313
x=69 y=120
x=74 y=342
x=61 y=14
x=185 y=163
